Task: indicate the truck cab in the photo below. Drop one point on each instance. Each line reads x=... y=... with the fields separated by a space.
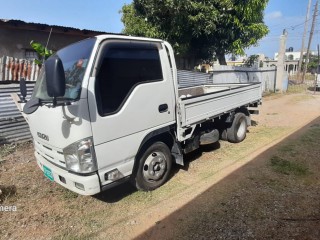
x=117 y=91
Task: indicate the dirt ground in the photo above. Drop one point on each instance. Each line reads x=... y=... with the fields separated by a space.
x=266 y=187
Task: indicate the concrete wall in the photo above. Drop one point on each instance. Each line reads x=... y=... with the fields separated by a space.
x=231 y=74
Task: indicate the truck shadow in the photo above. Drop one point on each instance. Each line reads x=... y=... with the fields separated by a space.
x=190 y=157
x=116 y=194
x=125 y=189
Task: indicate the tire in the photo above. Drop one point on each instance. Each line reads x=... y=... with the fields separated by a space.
x=154 y=167
x=223 y=135
x=237 y=132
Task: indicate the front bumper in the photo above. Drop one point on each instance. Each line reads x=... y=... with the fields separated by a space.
x=91 y=183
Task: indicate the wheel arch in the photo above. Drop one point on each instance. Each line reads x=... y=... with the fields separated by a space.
x=160 y=135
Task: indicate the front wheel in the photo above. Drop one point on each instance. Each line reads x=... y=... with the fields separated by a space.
x=154 y=167
x=238 y=130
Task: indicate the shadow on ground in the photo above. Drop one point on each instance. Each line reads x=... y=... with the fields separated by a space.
x=123 y=190
x=250 y=203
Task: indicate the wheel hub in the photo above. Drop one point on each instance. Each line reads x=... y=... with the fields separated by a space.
x=154 y=167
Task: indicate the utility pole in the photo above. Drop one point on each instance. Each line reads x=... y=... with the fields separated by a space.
x=317 y=76
x=315 y=13
x=303 y=39
x=280 y=63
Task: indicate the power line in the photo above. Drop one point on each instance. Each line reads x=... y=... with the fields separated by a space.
x=292 y=27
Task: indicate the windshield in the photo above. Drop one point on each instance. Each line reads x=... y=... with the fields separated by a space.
x=75 y=60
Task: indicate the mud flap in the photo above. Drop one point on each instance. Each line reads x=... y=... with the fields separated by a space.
x=177 y=153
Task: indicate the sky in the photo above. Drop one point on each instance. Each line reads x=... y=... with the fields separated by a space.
x=289 y=15
x=104 y=15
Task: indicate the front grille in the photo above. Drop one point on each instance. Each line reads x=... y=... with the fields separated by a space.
x=50 y=154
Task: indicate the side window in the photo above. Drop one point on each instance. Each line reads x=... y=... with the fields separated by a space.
x=124 y=66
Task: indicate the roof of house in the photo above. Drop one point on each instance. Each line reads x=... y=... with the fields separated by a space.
x=18 y=24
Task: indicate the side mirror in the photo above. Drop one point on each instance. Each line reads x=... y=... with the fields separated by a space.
x=55 y=77
x=23 y=90
x=31 y=106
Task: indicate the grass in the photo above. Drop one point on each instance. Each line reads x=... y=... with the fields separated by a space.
x=67 y=194
x=69 y=236
x=6 y=192
x=287 y=167
x=297 y=88
x=7 y=149
x=296 y=157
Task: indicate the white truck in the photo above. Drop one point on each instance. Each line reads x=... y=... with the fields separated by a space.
x=109 y=109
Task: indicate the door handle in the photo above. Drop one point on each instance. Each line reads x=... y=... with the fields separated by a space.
x=163 y=108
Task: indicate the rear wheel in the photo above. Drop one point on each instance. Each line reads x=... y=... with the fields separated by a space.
x=154 y=167
x=238 y=130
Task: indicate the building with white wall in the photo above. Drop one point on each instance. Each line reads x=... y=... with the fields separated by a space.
x=292 y=56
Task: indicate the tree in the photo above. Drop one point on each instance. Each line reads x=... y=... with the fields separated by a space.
x=251 y=60
x=199 y=30
x=136 y=25
x=312 y=64
x=42 y=51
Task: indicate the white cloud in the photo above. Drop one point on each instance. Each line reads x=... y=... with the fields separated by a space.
x=274 y=15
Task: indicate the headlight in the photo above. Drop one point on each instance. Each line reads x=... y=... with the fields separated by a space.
x=80 y=156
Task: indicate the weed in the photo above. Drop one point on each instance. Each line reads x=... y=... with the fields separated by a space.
x=6 y=150
x=287 y=167
x=6 y=192
x=299 y=88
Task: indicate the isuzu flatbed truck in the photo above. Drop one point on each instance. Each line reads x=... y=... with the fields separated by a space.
x=109 y=109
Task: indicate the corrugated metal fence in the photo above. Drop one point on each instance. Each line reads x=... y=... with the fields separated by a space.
x=189 y=79
x=13 y=127
x=13 y=69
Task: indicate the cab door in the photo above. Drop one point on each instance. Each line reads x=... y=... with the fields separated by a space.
x=131 y=97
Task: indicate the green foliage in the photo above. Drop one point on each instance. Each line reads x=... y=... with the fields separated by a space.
x=136 y=25
x=42 y=51
x=201 y=29
x=313 y=63
x=251 y=60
